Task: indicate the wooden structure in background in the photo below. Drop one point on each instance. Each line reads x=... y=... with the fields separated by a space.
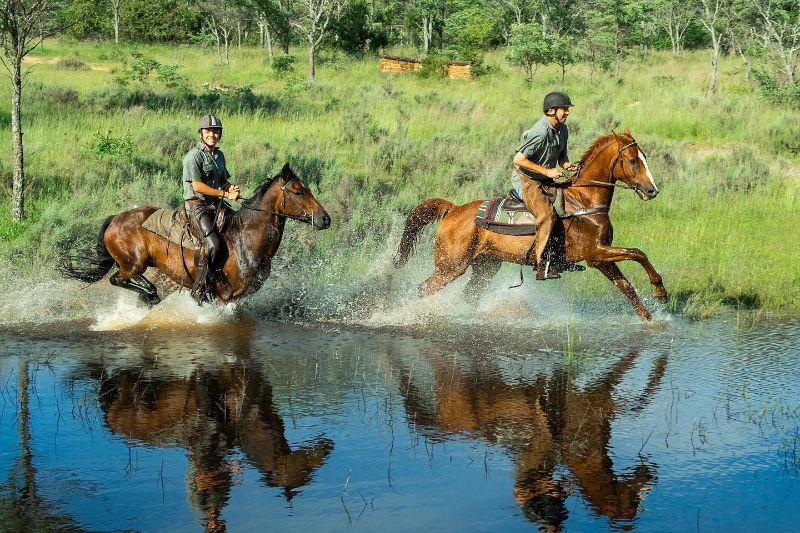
x=457 y=70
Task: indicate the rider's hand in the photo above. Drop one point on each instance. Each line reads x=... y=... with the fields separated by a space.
x=234 y=193
x=553 y=173
x=570 y=166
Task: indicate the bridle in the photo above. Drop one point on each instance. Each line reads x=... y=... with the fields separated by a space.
x=306 y=217
x=607 y=184
x=613 y=183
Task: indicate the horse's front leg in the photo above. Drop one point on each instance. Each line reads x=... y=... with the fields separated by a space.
x=615 y=275
x=612 y=254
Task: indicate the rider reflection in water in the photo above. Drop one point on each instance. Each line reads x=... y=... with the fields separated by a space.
x=543 y=149
x=205 y=185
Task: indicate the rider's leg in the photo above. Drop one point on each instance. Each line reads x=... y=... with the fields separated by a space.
x=213 y=245
x=541 y=206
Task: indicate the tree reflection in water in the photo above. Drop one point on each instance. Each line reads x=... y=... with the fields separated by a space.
x=211 y=410
x=557 y=432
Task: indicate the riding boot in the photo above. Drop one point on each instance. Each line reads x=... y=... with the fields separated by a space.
x=204 y=289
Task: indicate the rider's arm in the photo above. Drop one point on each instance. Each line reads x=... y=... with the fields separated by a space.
x=521 y=161
x=207 y=191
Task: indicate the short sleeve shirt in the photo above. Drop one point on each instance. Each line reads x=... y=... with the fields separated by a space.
x=544 y=145
x=201 y=165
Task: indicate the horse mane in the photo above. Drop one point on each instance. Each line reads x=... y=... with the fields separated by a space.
x=599 y=143
x=259 y=192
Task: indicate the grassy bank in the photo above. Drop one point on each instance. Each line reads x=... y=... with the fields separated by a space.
x=374 y=145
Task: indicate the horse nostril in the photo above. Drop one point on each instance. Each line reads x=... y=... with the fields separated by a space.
x=326 y=220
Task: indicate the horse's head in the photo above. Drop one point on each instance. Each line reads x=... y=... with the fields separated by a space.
x=630 y=166
x=296 y=201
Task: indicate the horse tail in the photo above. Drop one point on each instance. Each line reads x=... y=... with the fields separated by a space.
x=90 y=264
x=426 y=212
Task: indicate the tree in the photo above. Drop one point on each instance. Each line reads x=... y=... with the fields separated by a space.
x=674 y=17
x=220 y=18
x=781 y=24
x=529 y=48
x=712 y=17
x=24 y=24
x=612 y=24
x=312 y=19
x=115 y=5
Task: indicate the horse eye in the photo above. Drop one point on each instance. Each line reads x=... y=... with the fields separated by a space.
x=298 y=192
x=633 y=161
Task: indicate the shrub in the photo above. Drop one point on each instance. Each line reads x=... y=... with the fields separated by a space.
x=284 y=64
x=433 y=65
x=71 y=63
x=106 y=145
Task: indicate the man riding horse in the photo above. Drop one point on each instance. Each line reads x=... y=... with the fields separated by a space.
x=205 y=185
x=536 y=166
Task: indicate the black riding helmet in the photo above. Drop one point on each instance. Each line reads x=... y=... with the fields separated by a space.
x=208 y=122
x=555 y=99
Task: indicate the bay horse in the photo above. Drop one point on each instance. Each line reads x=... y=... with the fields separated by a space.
x=612 y=161
x=251 y=239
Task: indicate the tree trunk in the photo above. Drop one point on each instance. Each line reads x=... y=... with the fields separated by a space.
x=18 y=179
x=268 y=37
x=712 y=80
x=312 y=52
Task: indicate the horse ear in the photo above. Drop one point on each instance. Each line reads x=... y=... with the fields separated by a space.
x=627 y=133
x=616 y=135
x=286 y=171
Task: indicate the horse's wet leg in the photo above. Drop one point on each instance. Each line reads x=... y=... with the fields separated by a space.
x=612 y=254
x=615 y=275
x=147 y=291
x=138 y=284
x=438 y=280
x=483 y=269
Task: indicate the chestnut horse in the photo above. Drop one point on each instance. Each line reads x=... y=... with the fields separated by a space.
x=252 y=237
x=612 y=161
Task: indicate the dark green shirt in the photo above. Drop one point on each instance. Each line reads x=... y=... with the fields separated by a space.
x=201 y=165
x=544 y=145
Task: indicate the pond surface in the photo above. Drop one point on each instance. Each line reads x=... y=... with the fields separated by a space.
x=248 y=425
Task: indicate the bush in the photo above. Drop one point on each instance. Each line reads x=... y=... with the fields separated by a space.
x=71 y=63
x=106 y=145
x=433 y=65
x=774 y=90
x=283 y=65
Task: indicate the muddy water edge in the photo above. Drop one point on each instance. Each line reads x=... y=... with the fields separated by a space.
x=246 y=424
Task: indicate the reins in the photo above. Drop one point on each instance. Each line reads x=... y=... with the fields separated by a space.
x=283 y=206
x=578 y=182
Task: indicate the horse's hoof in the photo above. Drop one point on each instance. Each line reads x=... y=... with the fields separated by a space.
x=660 y=295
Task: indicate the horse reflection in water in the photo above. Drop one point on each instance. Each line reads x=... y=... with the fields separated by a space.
x=210 y=412
x=557 y=433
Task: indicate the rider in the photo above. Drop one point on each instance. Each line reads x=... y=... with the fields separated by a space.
x=543 y=149
x=205 y=184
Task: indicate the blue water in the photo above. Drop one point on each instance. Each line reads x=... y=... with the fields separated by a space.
x=251 y=426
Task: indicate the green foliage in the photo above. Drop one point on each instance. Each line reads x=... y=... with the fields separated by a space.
x=283 y=64
x=87 y=19
x=359 y=29
x=774 y=90
x=148 y=72
x=433 y=65
x=529 y=48
x=107 y=145
x=153 y=21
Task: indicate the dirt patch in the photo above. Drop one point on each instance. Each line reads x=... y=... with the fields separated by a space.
x=38 y=60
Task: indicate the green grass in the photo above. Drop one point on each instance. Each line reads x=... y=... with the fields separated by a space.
x=374 y=145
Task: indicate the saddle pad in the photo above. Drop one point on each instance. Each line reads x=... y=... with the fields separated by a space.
x=505 y=215
x=170 y=224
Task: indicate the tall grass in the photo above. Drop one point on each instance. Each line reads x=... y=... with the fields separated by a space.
x=374 y=145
